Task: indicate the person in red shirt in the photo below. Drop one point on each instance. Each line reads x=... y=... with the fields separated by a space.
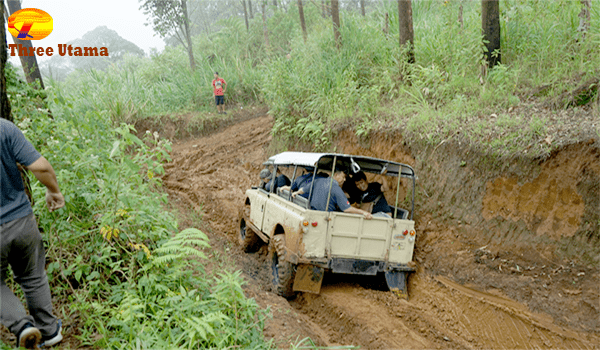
x=219 y=87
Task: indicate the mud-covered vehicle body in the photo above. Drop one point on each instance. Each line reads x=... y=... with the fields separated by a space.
x=303 y=243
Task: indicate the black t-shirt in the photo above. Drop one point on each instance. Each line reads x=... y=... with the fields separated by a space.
x=371 y=194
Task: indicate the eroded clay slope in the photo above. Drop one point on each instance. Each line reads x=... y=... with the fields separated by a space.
x=464 y=295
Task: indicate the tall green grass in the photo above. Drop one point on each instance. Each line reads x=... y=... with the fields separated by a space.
x=310 y=87
x=121 y=273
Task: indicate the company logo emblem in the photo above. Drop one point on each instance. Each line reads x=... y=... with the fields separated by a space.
x=30 y=24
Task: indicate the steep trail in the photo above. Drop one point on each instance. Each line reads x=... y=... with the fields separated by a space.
x=210 y=175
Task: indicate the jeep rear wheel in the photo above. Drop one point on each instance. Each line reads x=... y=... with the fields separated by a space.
x=248 y=239
x=283 y=270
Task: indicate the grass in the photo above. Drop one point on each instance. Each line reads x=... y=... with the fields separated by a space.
x=311 y=87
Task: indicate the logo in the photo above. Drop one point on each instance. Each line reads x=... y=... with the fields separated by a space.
x=30 y=24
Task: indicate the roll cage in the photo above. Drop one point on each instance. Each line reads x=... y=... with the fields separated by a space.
x=349 y=163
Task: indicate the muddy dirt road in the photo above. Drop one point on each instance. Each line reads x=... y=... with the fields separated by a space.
x=211 y=174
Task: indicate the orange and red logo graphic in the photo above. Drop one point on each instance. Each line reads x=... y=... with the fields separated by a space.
x=30 y=24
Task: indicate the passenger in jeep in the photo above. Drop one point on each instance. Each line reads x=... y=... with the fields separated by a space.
x=338 y=200
x=265 y=176
x=370 y=196
x=280 y=181
x=303 y=180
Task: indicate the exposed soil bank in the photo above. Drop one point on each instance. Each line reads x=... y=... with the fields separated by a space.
x=529 y=228
x=505 y=279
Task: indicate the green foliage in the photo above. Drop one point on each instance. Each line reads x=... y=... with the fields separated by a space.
x=166 y=16
x=312 y=87
x=178 y=305
x=114 y=255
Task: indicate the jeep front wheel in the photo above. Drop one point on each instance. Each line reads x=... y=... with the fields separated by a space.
x=283 y=270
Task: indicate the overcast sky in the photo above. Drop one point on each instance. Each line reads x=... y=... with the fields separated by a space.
x=73 y=18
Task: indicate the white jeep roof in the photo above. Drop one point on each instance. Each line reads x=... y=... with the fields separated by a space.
x=296 y=158
x=367 y=164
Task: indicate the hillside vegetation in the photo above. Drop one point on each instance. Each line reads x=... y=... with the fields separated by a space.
x=311 y=87
x=123 y=272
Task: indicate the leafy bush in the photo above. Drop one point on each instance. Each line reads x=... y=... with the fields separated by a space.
x=112 y=255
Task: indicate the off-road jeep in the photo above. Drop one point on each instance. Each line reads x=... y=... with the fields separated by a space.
x=304 y=242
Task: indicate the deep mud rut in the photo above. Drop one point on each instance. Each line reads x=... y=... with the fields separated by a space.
x=210 y=175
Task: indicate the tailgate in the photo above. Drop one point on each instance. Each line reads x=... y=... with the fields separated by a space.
x=352 y=236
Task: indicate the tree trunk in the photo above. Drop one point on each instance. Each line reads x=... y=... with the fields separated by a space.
x=246 y=16
x=5 y=112
x=323 y=14
x=335 y=16
x=264 y=18
x=29 y=63
x=406 y=27
x=585 y=17
x=362 y=7
x=188 y=38
x=460 y=17
x=302 y=23
x=250 y=9
x=490 y=24
x=386 y=26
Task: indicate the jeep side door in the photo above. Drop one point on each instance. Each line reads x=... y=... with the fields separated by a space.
x=257 y=208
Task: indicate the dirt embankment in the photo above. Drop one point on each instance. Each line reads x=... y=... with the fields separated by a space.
x=495 y=269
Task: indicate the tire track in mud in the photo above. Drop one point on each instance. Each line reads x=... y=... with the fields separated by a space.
x=211 y=175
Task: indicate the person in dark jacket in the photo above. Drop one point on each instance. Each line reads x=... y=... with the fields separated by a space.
x=280 y=181
x=370 y=193
x=337 y=198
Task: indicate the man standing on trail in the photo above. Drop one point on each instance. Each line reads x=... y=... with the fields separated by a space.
x=21 y=243
x=219 y=88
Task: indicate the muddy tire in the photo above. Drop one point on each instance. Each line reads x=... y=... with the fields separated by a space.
x=248 y=239
x=283 y=271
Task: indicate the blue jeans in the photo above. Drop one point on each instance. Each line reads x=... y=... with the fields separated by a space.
x=22 y=248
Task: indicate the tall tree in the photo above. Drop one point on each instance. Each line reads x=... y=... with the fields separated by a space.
x=246 y=16
x=362 y=7
x=29 y=63
x=386 y=24
x=490 y=27
x=302 y=22
x=585 y=17
x=170 y=18
x=4 y=104
x=405 y=23
x=335 y=16
x=250 y=9
x=264 y=19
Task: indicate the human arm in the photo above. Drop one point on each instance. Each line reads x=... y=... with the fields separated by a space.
x=298 y=193
x=343 y=204
x=384 y=183
x=43 y=171
x=224 y=85
x=352 y=210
